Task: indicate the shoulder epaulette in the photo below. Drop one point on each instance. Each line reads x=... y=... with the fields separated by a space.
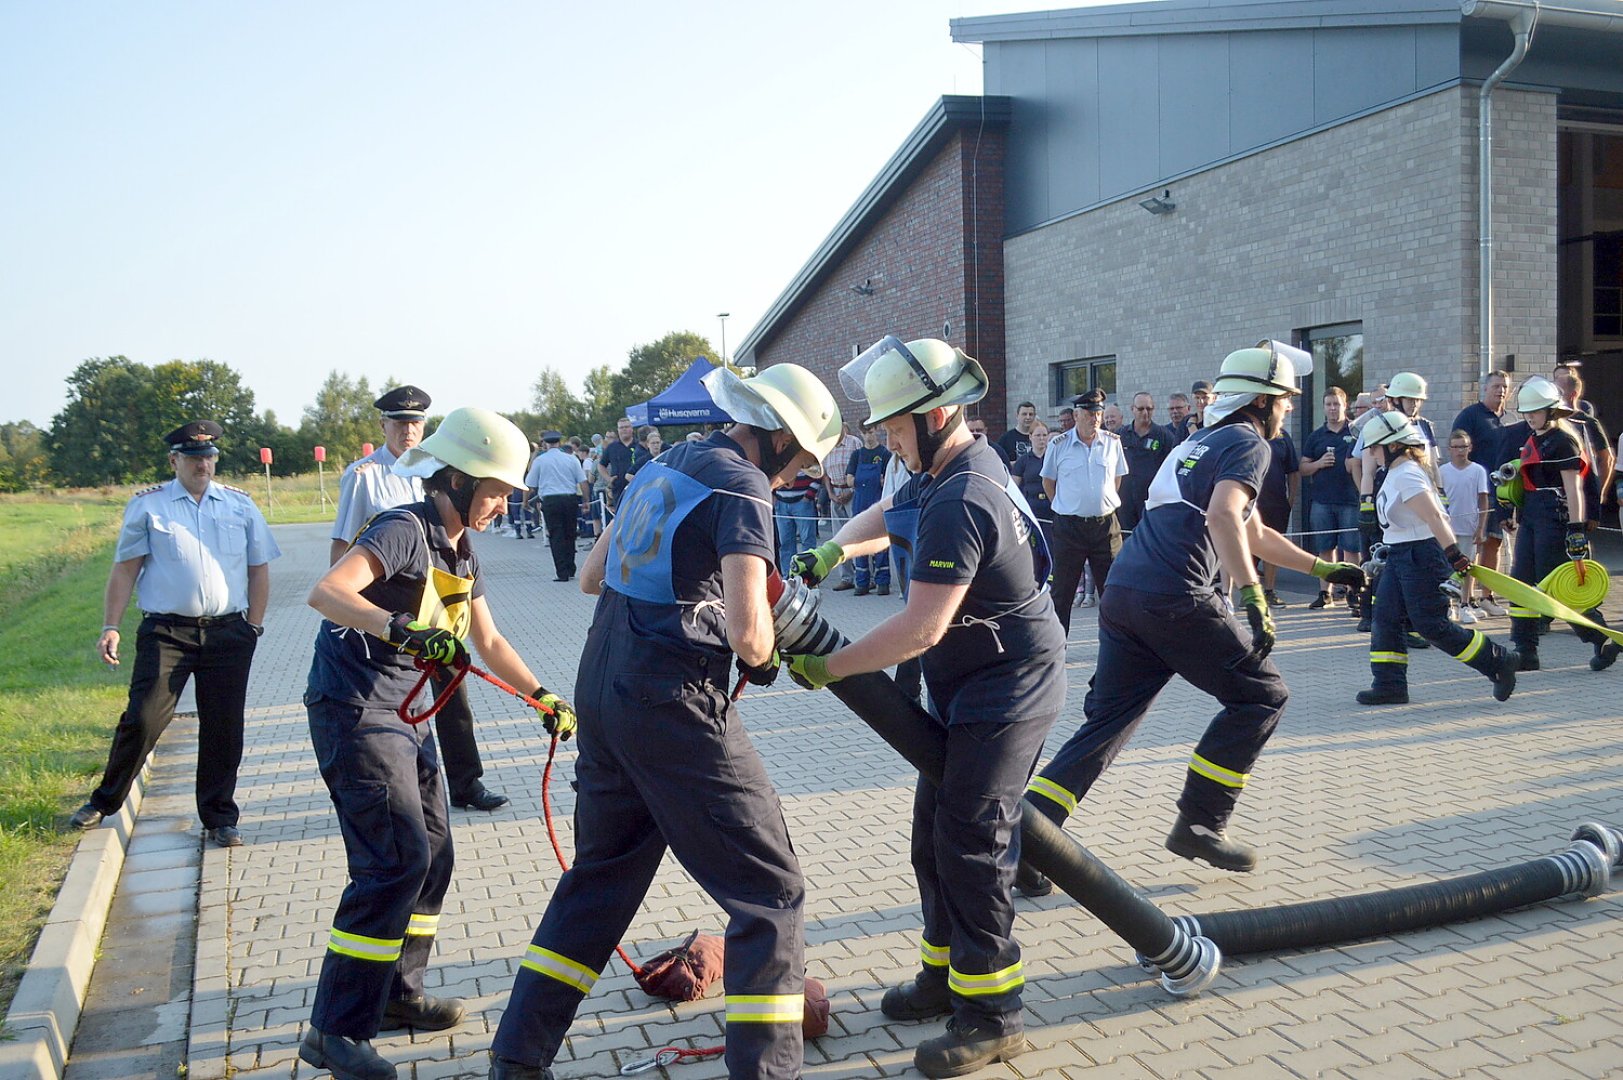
x=238 y=490
x=363 y=464
x=149 y=490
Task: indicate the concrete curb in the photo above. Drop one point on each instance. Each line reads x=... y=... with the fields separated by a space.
x=45 y=1013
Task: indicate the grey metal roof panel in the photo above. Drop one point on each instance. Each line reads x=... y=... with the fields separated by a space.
x=1202 y=16
x=946 y=117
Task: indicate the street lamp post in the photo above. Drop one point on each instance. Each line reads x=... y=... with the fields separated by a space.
x=723 y=317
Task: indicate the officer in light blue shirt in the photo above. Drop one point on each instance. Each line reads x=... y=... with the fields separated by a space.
x=195 y=554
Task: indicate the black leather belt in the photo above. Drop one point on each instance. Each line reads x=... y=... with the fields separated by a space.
x=193 y=620
x=1088 y=520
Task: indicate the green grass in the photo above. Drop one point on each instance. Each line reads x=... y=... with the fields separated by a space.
x=58 y=704
x=293 y=499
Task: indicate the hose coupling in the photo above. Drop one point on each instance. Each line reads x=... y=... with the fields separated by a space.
x=1208 y=961
x=1604 y=837
x=799 y=626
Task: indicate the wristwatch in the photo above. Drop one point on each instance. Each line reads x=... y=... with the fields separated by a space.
x=257 y=628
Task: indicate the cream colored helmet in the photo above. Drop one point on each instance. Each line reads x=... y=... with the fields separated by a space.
x=1406 y=384
x=783 y=397
x=1269 y=367
x=1540 y=393
x=896 y=378
x=476 y=441
x=1392 y=428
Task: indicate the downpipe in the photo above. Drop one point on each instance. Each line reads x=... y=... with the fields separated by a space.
x=1186 y=962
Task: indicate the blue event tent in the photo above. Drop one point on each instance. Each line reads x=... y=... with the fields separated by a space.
x=685 y=401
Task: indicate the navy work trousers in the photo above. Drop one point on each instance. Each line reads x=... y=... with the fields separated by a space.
x=166 y=655
x=966 y=847
x=1144 y=639
x=665 y=762
x=384 y=778
x=1407 y=592
x=1541 y=546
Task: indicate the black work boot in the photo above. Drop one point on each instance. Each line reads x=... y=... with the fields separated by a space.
x=1366 y=621
x=917 y=1000
x=506 y=1069
x=1527 y=659
x=1504 y=676
x=423 y=1013
x=480 y=797
x=1383 y=697
x=346 y=1059
x=1030 y=881
x=1213 y=845
x=1605 y=655
x=965 y=1049
x=1322 y=601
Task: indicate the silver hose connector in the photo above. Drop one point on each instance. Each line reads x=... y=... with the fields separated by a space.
x=801 y=629
x=1208 y=962
x=1190 y=964
x=1604 y=837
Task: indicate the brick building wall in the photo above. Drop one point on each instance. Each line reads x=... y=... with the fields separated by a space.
x=934 y=259
x=1373 y=221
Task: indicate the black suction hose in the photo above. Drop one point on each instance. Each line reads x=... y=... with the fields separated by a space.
x=1186 y=962
x=1584 y=868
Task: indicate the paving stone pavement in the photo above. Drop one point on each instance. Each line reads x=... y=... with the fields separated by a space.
x=1345 y=799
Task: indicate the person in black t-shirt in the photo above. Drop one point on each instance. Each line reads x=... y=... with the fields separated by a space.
x=1017 y=440
x=1146 y=445
x=1332 y=497
x=1483 y=420
x=616 y=459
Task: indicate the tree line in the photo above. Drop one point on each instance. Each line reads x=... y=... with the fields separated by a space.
x=118 y=411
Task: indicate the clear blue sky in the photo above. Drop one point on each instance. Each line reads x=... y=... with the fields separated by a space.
x=454 y=194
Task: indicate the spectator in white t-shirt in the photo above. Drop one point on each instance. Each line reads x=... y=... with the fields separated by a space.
x=1465 y=487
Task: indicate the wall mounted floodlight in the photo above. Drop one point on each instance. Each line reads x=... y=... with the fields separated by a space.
x=1159 y=204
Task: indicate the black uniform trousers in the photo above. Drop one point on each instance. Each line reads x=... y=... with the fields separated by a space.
x=457 y=746
x=665 y=761
x=1407 y=594
x=1144 y=639
x=1081 y=541
x=1541 y=546
x=966 y=848
x=561 y=513
x=169 y=650
x=384 y=778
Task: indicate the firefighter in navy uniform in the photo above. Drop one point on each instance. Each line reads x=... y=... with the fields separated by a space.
x=980 y=618
x=1421 y=549
x=664 y=758
x=1163 y=614
x=1552 y=517
x=408 y=587
x=367 y=487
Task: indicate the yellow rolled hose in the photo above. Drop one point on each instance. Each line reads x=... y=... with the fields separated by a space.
x=1524 y=595
x=1563 y=584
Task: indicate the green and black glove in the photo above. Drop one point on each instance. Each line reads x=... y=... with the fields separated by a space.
x=811 y=671
x=817 y=564
x=424 y=641
x=556 y=715
x=1261 y=620
x=1369 y=527
x=1339 y=573
x=1577 y=541
x=763 y=674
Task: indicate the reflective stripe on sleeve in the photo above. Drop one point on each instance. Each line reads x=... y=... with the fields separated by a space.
x=932 y=955
x=377 y=950
x=423 y=926
x=1212 y=771
x=556 y=966
x=766 y=1008
x=995 y=982
x=1052 y=792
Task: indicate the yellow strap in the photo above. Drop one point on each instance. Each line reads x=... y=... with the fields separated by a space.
x=993 y=982
x=932 y=955
x=1213 y=771
x=766 y=1008
x=1519 y=592
x=1052 y=792
x=1388 y=657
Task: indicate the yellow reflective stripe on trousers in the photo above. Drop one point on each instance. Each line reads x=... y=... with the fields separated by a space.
x=996 y=982
x=378 y=950
x=423 y=926
x=1213 y=771
x=932 y=955
x=1053 y=792
x=1467 y=654
x=556 y=966
x=766 y=1008
x=1388 y=657
x=1523 y=613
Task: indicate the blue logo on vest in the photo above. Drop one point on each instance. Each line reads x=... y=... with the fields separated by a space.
x=656 y=503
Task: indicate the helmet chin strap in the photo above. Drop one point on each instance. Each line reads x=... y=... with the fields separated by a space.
x=773 y=461
x=930 y=443
x=460 y=496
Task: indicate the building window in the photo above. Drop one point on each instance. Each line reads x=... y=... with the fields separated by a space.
x=1608 y=293
x=1338 y=360
x=1074 y=377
